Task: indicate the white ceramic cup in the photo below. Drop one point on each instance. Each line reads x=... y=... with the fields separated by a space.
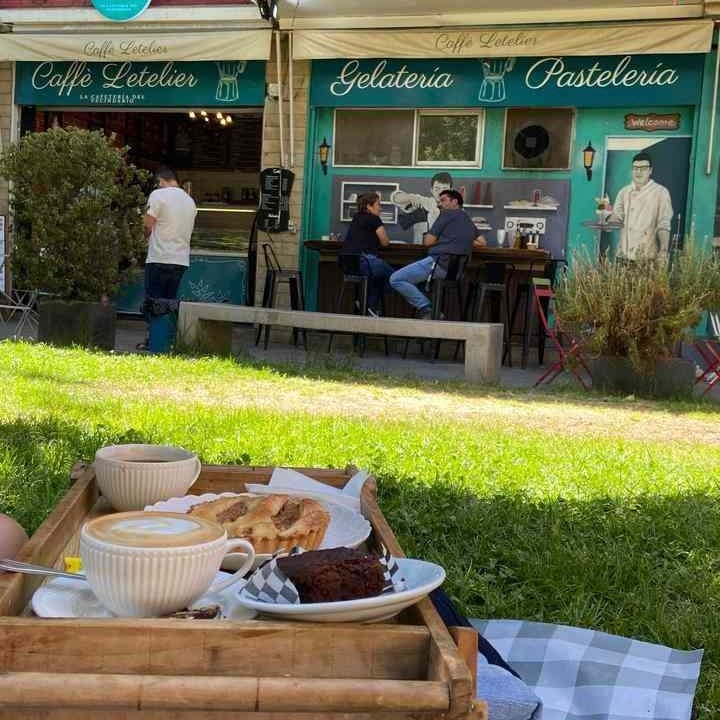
x=152 y=564
x=501 y=238
x=134 y=476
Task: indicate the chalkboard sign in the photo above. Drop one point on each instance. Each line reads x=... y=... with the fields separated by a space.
x=275 y=186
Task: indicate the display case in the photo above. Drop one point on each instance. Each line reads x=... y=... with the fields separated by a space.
x=351 y=190
x=220 y=226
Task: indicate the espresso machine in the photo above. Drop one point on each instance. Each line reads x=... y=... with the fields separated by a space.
x=525 y=231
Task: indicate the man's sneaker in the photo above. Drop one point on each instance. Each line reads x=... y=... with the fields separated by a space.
x=424 y=314
x=373 y=313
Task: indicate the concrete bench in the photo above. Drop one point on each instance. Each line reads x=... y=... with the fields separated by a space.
x=208 y=325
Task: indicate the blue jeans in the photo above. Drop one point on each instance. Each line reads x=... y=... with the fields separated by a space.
x=406 y=280
x=379 y=272
x=161 y=281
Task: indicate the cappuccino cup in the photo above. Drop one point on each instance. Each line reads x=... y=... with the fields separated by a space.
x=151 y=564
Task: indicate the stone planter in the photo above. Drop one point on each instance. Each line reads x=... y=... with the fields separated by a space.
x=673 y=378
x=77 y=323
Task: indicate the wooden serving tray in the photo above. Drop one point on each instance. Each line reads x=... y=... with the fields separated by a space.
x=152 y=669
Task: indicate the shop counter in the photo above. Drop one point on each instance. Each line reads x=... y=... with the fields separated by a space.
x=213 y=276
x=401 y=254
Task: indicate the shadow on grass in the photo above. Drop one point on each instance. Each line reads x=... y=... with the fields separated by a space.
x=644 y=567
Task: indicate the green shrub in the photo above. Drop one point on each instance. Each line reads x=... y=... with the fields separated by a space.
x=640 y=309
x=77 y=208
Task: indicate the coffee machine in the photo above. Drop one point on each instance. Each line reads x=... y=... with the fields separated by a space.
x=524 y=231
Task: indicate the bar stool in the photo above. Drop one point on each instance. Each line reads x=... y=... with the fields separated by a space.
x=441 y=290
x=274 y=276
x=488 y=284
x=523 y=303
x=353 y=278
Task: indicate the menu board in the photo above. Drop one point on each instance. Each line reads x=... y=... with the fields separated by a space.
x=275 y=187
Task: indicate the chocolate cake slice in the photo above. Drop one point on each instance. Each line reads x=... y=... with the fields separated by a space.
x=333 y=575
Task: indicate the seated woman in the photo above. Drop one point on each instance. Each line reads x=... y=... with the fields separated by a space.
x=364 y=238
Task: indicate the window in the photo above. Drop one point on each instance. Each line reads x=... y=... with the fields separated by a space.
x=373 y=137
x=538 y=138
x=448 y=138
x=407 y=138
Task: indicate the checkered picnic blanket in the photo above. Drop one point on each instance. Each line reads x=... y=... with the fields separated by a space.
x=588 y=675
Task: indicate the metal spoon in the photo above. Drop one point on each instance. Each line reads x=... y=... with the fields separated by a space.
x=28 y=569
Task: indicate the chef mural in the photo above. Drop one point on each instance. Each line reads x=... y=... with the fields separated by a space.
x=651 y=205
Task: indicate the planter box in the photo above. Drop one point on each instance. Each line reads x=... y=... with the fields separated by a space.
x=177 y=669
x=673 y=378
x=77 y=323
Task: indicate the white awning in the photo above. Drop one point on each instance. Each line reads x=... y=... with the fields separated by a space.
x=378 y=14
x=670 y=37
x=136 y=46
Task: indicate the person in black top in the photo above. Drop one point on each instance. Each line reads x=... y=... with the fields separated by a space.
x=364 y=238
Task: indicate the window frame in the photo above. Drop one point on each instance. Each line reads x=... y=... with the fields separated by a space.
x=479 y=114
x=571 y=147
x=479 y=143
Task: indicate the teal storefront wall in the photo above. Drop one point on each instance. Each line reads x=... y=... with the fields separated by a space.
x=595 y=124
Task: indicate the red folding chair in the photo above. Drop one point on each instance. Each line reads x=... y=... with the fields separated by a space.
x=709 y=350
x=569 y=351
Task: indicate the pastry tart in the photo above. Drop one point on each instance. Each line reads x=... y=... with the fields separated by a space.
x=269 y=522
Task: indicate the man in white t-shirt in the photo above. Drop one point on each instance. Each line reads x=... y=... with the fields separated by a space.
x=169 y=222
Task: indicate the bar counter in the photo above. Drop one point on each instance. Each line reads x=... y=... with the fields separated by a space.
x=401 y=254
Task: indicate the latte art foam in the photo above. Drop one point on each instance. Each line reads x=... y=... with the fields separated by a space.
x=153 y=530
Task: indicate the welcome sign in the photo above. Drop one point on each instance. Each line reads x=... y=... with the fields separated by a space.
x=616 y=81
x=152 y=84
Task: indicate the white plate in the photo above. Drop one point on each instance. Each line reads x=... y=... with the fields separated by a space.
x=67 y=598
x=421 y=577
x=347 y=528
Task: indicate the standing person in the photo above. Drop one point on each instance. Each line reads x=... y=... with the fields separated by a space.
x=428 y=206
x=169 y=222
x=453 y=233
x=365 y=236
x=645 y=208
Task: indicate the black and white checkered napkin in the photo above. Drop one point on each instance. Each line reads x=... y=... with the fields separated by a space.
x=269 y=584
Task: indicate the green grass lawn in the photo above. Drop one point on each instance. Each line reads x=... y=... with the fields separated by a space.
x=557 y=507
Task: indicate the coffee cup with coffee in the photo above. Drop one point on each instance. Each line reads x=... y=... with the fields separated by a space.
x=134 y=476
x=151 y=564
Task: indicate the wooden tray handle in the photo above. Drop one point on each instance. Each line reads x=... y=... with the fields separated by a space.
x=192 y=692
x=467 y=641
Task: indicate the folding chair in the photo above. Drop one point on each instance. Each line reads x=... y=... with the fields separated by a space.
x=709 y=350
x=569 y=351
x=18 y=307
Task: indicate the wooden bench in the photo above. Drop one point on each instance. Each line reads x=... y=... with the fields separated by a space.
x=209 y=326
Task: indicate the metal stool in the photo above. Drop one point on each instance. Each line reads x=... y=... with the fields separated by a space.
x=274 y=276
x=355 y=279
x=478 y=291
x=441 y=288
x=524 y=302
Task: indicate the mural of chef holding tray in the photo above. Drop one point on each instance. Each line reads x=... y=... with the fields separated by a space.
x=421 y=211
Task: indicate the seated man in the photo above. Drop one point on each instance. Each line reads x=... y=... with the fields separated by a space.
x=453 y=233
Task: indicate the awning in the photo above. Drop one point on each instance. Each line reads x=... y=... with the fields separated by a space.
x=133 y=46
x=671 y=37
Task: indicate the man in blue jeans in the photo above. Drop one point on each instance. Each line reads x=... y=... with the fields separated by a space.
x=169 y=222
x=453 y=233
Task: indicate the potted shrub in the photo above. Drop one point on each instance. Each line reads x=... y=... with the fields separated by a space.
x=633 y=315
x=77 y=205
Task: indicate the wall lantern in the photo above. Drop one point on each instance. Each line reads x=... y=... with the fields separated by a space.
x=323 y=153
x=588 y=157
